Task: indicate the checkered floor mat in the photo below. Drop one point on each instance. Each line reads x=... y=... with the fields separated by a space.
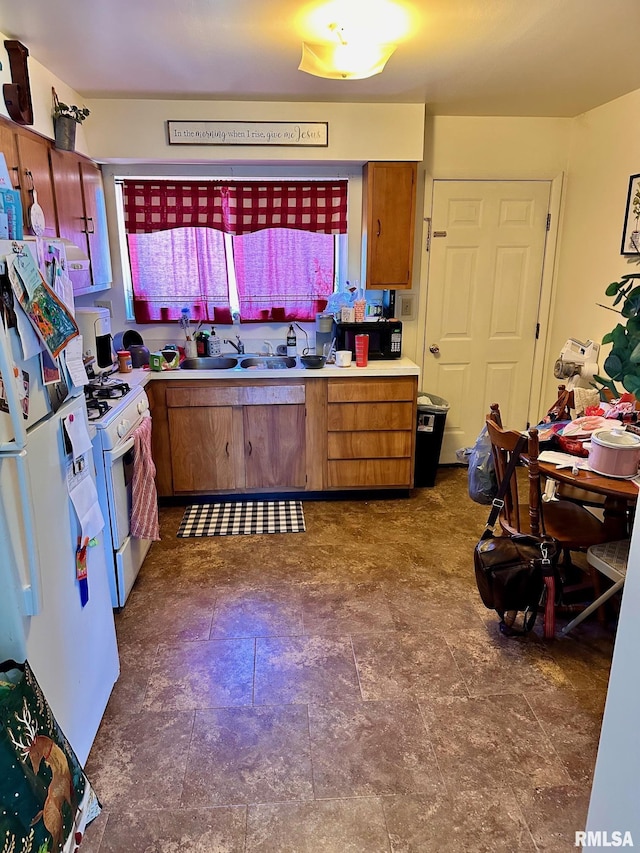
x=227 y=519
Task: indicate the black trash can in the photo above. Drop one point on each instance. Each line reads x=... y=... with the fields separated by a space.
x=429 y=431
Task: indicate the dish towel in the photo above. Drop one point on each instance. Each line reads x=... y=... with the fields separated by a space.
x=144 y=501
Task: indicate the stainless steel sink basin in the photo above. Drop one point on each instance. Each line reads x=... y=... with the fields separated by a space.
x=268 y=362
x=220 y=362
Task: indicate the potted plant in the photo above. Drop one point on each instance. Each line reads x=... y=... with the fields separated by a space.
x=623 y=362
x=65 y=119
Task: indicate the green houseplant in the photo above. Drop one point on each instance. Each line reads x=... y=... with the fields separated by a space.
x=65 y=120
x=623 y=362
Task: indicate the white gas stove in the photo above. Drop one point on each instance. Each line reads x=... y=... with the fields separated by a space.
x=118 y=410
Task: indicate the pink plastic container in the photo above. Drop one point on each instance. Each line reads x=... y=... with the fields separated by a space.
x=615 y=453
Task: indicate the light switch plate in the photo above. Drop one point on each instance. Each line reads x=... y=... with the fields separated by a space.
x=407 y=302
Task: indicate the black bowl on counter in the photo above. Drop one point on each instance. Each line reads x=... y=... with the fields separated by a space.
x=312 y=361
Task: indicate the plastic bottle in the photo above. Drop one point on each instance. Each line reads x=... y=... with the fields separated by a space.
x=213 y=344
x=292 y=344
x=201 y=344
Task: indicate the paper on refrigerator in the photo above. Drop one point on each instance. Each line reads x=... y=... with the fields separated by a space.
x=50 y=318
x=84 y=497
x=76 y=429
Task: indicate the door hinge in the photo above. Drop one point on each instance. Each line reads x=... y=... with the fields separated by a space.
x=548 y=221
x=427 y=242
x=537 y=330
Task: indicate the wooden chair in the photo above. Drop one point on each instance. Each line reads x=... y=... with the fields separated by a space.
x=575 y=528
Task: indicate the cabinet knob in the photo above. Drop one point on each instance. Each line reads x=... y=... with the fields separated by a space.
x=250 y=448
x=435 y=349
x=379 y=232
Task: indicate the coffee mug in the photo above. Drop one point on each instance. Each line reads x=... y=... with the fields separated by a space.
x=343 y=358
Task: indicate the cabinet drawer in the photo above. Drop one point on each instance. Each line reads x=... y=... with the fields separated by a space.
x=365 y=445
x=370 y=416
x=363 y=390
x=236 y=395
x=370 y=472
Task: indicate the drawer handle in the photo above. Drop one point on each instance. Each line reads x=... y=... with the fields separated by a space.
x=250 y=448
x=379 y=228
x=226 y=449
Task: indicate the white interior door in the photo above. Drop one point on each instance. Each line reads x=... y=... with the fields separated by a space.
x=485 y=277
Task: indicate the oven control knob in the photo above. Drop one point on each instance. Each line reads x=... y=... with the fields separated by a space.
x=143 y=406
x=123 y=427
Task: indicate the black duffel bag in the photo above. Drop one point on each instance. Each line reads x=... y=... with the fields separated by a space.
x=510 y=574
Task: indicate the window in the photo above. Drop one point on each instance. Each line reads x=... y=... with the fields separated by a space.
x=220 y=248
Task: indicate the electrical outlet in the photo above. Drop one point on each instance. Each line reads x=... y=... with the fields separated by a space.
x=406 y=305
x=105 y=303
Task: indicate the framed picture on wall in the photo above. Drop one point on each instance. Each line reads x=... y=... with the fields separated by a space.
x=631 y=230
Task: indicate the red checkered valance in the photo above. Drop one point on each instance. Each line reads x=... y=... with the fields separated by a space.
x=235 y=207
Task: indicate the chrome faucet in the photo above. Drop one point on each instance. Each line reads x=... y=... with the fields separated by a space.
x=238 y=347
x=269 y=346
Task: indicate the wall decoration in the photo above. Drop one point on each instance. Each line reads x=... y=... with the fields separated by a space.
x=290 y=133
x=631 y=230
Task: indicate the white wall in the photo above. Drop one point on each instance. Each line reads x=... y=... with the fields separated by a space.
x=604 y=153
x=41 y=81
x=135 y=131
x=484 y=148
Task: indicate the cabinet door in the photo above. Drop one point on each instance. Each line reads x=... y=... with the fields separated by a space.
x=72 y=226
x=33 y=157
x=274 y=438
x=389 y=201
x=201 y=440
x=96 y=223
x=8 y=147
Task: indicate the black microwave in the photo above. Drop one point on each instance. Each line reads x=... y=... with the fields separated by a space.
x=385 y=337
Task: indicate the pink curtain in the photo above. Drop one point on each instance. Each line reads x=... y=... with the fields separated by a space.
x=283 y=274
x=181 y=268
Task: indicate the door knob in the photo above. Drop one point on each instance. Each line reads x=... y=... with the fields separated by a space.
x=434 y=348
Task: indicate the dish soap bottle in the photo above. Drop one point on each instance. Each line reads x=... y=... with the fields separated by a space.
x=213 y=344
x=292 y=345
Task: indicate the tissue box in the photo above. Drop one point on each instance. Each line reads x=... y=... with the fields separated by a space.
x=156 y=361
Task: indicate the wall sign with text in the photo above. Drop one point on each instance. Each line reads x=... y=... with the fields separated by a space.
x=297 y=134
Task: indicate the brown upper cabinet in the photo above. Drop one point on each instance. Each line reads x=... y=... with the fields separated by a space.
x=70 y=191
x=81 y=215
x=35 y=176
x=389 y=212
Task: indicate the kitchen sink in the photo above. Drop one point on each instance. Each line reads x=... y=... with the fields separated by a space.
x=219 y=362
x=270 y=362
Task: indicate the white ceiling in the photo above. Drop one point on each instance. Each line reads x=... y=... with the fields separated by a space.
x=462 y=57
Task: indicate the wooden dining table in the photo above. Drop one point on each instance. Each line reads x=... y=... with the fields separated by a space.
x=619 y=495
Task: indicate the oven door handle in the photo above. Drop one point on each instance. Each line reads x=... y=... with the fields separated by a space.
x=111 y=456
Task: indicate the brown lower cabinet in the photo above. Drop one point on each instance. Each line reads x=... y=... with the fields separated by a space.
x=250 y=436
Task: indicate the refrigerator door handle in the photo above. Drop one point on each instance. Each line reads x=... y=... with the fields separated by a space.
x=11 y=393
x=30 y=590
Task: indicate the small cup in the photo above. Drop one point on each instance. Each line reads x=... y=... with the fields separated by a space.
x=278 y=314
x=362 y=350
x=190 y=349
x=343 y=358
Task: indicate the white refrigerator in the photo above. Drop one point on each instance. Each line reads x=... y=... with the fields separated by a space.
x=70 y=643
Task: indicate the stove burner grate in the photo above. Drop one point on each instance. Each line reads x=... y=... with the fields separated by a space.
x=96 y=408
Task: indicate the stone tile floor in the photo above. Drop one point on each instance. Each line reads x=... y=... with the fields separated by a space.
x=342 y=690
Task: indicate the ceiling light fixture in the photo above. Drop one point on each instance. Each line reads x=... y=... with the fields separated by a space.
x=344 y=58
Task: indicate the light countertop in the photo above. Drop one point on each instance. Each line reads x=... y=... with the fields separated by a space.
x=393 y=367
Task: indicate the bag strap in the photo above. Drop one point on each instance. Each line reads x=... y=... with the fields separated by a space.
x=498 y=501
